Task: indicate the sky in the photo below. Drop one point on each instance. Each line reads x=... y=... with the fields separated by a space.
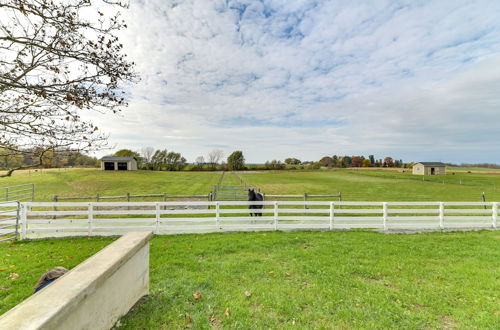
x=414 y=80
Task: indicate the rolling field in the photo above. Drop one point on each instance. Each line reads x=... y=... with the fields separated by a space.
x=318 y=280
x=355 y=185
x=308 y=280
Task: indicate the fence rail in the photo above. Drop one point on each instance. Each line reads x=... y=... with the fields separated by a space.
x=112 y=218
x=21 y=192
x=129 y=197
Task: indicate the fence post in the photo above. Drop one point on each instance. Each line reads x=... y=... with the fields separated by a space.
x=276 y=215
x=331 y=215
x=32 y=192
x=128 y=200
x=305 y=201
x=7 y=194
x=384 y=214
x=217 y=215
x=494 y=214
x=24 y=220
x=17 y=220
x=54 y=208
x=91 y=217
x=441 y=215
x=157 y=227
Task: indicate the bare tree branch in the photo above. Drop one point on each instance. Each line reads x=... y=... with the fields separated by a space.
x=59 y=58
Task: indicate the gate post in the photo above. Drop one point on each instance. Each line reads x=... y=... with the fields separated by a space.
x=17 y=220
x=23 y=219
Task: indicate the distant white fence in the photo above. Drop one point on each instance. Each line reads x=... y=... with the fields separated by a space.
x=112 y=218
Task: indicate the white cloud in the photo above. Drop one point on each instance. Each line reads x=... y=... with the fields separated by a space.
x=416 y=79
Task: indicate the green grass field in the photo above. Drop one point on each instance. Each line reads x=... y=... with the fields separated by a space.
x=356 y=185
x=308 y=280
x=295 y=279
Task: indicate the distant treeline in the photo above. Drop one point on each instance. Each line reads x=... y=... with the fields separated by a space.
x=50 y=158
x=484 y=165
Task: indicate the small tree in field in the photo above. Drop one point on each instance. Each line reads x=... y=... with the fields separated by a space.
x=389 y=162
x=147 y=153
x=292 y=161
x=214 y=157
x=236 y=161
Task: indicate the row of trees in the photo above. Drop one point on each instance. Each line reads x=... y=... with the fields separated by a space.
x=359 y=161
x=163 y=160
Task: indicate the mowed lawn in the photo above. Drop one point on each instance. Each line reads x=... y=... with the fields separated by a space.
x=355 y=185
x=310 y=280
x=379 y=185
x=89 y=182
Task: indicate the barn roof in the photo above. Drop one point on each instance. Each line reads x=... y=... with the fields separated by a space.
x=117 y=159
x=432 y=163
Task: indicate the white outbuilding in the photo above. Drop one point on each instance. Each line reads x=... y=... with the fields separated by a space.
x=429 y=168
x=110 y=163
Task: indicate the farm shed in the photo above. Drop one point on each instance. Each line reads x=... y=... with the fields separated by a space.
x=118 y=164
x=429 y=168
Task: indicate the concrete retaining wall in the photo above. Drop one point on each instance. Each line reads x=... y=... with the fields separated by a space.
x=94 y=294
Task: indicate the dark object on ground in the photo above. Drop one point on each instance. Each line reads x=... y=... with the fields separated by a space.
x=50 y=277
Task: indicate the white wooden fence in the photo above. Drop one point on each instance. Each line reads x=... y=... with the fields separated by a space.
x=111 y=218
x=9 y=216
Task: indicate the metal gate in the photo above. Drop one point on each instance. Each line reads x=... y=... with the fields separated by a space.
x=9 y=220
x=20 y=192
x=225 y=192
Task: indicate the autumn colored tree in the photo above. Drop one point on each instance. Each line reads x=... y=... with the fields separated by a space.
x=389 y=162
x=366 y=163
x=356 y=161
x=58 y=59
x=326 y=161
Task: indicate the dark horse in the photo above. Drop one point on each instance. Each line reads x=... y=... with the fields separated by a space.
x=255 y=197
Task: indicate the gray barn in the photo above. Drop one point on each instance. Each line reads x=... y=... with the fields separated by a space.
x=429 y=168
x=118 y=164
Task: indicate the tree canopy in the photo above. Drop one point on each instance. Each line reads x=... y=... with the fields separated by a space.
x=236 y=161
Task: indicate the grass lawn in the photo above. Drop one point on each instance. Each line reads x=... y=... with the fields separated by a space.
x=302 y=279
x=356 y=185
x=89 y=182
x=379 y=185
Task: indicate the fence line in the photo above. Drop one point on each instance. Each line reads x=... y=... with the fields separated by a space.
x=113 y=218
x=128 y=197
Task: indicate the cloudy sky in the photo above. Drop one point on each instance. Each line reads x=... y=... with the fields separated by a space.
x=417 y=80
